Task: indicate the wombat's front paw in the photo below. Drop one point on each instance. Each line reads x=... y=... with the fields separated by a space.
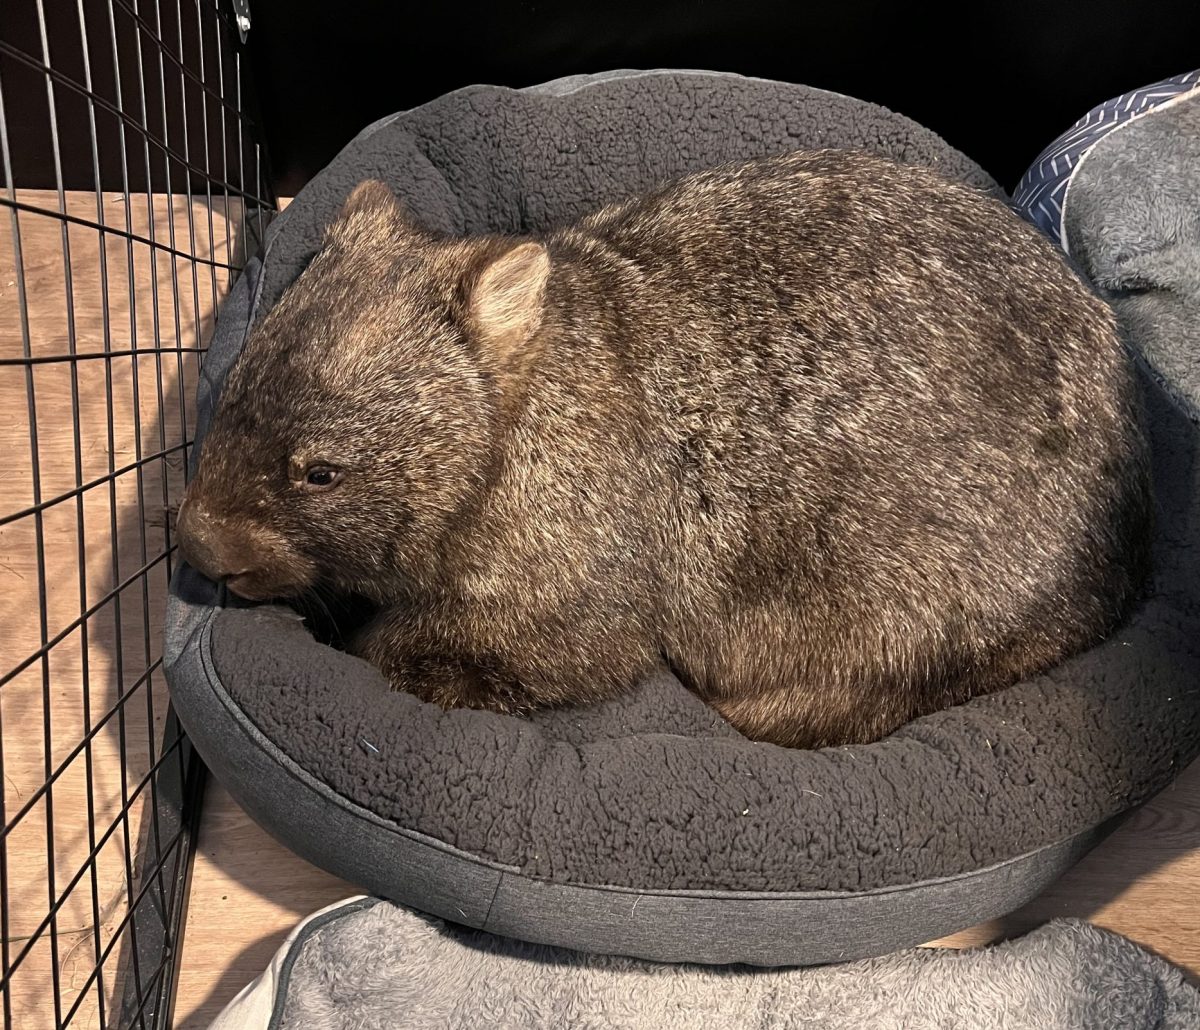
x=455 y=685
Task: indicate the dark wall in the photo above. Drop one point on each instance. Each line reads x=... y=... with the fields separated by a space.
x=165 y=104
x=998 y=80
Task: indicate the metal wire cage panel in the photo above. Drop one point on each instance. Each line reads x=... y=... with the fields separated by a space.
x=133 y=188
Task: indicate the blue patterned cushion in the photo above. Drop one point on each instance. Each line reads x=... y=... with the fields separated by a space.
x=1040 y=193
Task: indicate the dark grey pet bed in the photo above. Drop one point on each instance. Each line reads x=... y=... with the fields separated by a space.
x=647 y=826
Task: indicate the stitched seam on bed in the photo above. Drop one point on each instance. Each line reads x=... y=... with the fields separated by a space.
x=487 y=919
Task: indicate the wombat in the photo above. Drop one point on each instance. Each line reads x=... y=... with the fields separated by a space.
x=837 y=441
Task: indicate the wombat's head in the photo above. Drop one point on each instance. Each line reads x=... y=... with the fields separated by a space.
x=363 y=416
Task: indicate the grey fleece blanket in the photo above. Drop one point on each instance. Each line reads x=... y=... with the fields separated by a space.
x=1132 y=221
x=373 y=965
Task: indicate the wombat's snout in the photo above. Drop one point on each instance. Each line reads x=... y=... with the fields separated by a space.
x=208 y=546
x=215 y=547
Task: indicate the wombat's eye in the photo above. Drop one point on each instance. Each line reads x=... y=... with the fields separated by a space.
x=321 y=477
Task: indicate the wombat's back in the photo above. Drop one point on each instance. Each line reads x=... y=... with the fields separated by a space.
x=900 y=436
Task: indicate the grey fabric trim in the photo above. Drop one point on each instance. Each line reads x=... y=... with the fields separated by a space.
x=713 y=927
x=774 y=930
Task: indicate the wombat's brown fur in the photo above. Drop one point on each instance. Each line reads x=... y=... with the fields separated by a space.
x=840 y=442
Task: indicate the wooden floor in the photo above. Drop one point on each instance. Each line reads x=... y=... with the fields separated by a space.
x=85 y=569
x=247 y=891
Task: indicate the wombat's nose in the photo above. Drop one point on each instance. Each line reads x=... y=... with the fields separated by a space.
x=206 y=544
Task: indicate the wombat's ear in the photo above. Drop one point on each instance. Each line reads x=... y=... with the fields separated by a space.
x=370 y=195
x=371 y=206
x=507 y=297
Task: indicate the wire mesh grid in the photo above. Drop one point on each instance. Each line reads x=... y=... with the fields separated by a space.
x=134 y=186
